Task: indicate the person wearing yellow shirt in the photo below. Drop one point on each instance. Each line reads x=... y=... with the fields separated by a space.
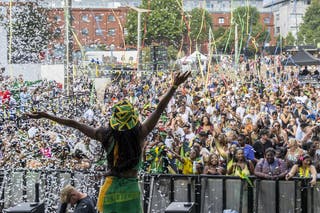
x=304 y=169
x=190 y=164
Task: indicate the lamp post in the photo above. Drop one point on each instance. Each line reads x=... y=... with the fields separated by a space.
x=139 y=10
x=112 y=46
x=68 y=48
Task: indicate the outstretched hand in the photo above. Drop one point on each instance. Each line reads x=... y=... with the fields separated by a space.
x=36 y=115
x=180 y=77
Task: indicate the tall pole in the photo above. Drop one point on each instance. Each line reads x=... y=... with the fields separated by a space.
x=139 y=10
x=10 y=39
x=236 y=46
x=139 y=43
x=68 y=71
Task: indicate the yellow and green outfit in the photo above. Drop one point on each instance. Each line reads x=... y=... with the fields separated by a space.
x=119 y=195
x=187 y=165
x=242 y=173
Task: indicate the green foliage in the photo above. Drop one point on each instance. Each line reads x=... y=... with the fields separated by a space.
x=290 y=39
x=200 y=24
x=131 y=25
x=146 y=57
x=246 y=16
x=251 y=34
x=309 y=30
x=30 y=32
x=220 y=37
x=172 y=53
x=163 y=25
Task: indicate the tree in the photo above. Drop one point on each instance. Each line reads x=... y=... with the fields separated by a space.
x=251 y=33
x=309 y=30
x=200 y=25
x=172 y=53
x=30 y=31
x=163 y=25
x=220 y=38
x=290 y=39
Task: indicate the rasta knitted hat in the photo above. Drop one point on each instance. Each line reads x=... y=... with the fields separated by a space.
x=124 y=116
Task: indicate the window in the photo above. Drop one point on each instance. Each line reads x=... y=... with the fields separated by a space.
x=278 y=17
x=57 y=18
x=98 y=17
x=221 y=20
x=111 y=18
x=208 y=5
x=99 y=32
x=266 y=20
x=57 y=32
x=125 y=31
x=112 y=32
x=85 y=18
x=85 y=32
x=277 y=30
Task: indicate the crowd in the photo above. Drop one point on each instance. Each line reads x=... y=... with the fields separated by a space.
x=257 y=121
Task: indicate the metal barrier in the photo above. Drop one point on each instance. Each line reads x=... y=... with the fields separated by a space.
x=209 y=193
x=218 y=193
x=18 y=185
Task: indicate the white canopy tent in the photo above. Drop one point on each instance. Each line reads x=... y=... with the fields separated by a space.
x=198 y=55
x=195 y=56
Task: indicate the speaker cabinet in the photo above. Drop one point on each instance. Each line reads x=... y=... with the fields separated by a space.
x=181 y=207
x=26 y=208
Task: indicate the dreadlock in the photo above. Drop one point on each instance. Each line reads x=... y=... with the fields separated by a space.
x=126 y=151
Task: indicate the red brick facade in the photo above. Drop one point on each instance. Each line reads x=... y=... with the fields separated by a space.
x=94 y=26
x=106 y=26
x=224 y=19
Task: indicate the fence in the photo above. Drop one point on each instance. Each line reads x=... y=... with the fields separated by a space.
x=18 y=185
x=209 y=193
x=217 y=193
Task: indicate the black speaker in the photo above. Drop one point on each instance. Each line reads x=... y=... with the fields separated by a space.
x=26 y=208
x=181 y=207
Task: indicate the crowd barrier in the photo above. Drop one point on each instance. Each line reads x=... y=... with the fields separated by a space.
x=218 y=193
x=209 y=194
x=18 y=186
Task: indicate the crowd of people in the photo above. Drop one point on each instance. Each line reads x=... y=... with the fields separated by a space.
x=259 y=120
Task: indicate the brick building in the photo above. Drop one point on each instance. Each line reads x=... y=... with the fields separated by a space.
x=107 y=26
x=102 y=27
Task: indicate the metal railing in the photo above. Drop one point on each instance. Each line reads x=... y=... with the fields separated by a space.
x=217 y=193
x=208 y=193
x=18 y=185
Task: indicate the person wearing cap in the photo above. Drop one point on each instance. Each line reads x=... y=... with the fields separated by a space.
x=123 y=141
x=300 y=112
x=304 y=169
x=81 y=202
x=270 y=167
x=262 y=144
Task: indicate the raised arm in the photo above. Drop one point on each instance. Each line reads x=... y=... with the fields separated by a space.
x=94 y=133
x=151 y=121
